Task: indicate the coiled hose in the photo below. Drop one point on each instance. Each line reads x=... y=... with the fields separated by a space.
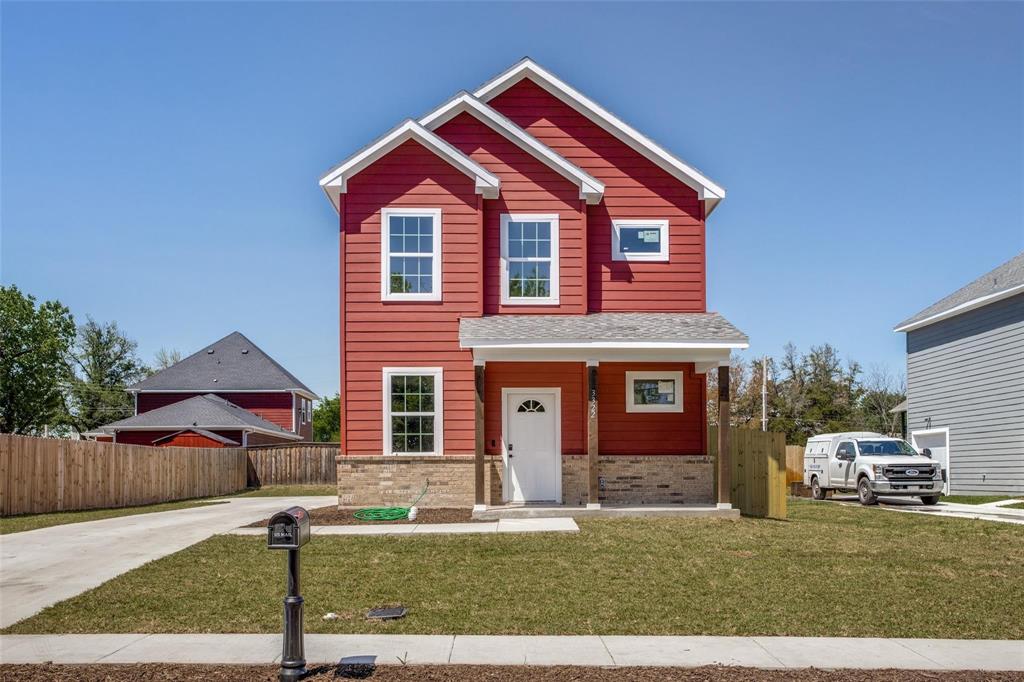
x=389 y=513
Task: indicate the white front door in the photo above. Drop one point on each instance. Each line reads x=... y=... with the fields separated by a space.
x=936 y=440
x=533 y=466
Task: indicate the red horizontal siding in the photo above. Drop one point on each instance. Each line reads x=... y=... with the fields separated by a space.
x=381 y=334
x=274 y=406
x=568 y=376
x=649 y=433
x=191 y=440
x=634 y=188
x=147 y=437
x=527 y=186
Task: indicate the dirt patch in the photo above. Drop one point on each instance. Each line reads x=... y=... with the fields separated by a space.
x=332 y=516
x=465 y=673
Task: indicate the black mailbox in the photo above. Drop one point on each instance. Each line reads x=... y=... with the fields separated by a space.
x=288 y=529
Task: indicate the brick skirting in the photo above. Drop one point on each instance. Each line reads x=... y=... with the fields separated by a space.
x=626 y=479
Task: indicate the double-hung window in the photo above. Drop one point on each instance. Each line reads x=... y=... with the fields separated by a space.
x=654 y=391
x=640 y=240
x=529 y=259
x=413 y=411
x=410 y=254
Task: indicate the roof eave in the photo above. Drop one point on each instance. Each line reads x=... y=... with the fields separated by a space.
x=967 y=306
x=603 y=345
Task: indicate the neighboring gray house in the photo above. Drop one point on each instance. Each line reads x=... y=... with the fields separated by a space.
x=965 y=382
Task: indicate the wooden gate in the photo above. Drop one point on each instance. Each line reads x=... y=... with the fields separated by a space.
x=758 y=470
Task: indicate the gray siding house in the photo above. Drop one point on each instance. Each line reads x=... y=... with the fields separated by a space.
x=965 y=382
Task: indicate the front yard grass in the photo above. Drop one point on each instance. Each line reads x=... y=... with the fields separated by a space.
x=828 y=570
x=18 y=524
x=976 y=499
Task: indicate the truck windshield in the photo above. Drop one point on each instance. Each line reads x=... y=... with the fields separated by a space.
x=885 y=447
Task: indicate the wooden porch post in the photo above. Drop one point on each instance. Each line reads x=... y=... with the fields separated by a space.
x=724 y=456
x=480 y=501
x=593 y=488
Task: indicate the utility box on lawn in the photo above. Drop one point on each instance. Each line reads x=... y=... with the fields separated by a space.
x=288 y=529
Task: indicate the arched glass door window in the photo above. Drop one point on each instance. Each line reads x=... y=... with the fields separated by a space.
x=531 y=406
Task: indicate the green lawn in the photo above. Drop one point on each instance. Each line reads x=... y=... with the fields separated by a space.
x=976 y=499
x=17 y=524
x=829 y=570
x=1019 y=505
x=290 y=491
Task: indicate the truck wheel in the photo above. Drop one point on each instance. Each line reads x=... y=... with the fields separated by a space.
x=865 y=493
x=817 y=492
x=930 y=499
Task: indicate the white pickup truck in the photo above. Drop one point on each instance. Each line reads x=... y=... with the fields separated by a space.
x=871 y=464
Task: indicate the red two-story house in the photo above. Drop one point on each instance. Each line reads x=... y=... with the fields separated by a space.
x=228 y=394
x=523 y=308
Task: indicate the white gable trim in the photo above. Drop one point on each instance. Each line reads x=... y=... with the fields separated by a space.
x=335 y=181
x=709 y=192
x=964 y=307
x=591 y=189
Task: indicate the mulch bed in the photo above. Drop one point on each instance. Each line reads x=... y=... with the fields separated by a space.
x=332 y=516
x=466 y=673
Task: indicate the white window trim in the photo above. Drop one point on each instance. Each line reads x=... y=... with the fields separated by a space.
x=660 y=225
x=506 y=218
x=385 y=254
x=675 y=407
x=438 y=374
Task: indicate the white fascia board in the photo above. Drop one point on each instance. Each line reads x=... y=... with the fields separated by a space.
x=607 y=345
x=592 y=355
x=709 y=191
x=334 y=182
x=962 y=308
x=591 y=189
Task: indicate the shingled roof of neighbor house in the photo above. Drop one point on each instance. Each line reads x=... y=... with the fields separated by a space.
x=676 y=328
x=202 y=411
x=232 y=364
x=1006 y=280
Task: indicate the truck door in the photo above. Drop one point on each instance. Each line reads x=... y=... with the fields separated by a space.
x=840 y=469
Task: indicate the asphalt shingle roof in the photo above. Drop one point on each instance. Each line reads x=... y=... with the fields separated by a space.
x=677 y=327
x=232 y=364
x=1009 y=274
x=201 y=411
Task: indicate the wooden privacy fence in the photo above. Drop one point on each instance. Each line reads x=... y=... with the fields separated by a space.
x=758 y=469
x=794 y=464
x=40 y=475
x=293 y=465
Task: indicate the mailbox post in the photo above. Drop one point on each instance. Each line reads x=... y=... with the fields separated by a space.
x=289 y=529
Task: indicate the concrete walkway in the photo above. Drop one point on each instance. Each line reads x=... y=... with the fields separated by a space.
x=978 y=512
x=41 y=567
x=591 y=650
x=503 y=526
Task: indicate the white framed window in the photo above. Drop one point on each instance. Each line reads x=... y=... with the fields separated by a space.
x=410 y=248
x=654 y=391
x=640 y=240
x=413 y=411
x=529 y=259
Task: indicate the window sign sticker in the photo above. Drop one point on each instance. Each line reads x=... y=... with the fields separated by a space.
x=666 y=387
x=650 y=236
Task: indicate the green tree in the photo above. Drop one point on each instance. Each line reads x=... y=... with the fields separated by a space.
x=327 y=420
x=34 y=345
x=104 y=364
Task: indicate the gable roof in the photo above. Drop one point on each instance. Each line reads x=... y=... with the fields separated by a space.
x=233 y=363
x=1003 y=282
x=201 y=411
x=201 y=432
x=707 y=190
x=335 y=181
x=591 y=189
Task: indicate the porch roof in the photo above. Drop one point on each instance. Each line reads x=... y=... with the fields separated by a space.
x=602 y=335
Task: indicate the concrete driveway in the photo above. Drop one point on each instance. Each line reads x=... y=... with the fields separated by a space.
x=980 y=512
x=41 y=567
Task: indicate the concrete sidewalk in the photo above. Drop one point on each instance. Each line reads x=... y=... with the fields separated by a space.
x=552 y=525
x=41 y=567
x=910 y=505
x=590 y=650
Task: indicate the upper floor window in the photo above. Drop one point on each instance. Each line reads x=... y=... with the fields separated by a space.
x=411 y=254
x=529 y=259
x=640 y=240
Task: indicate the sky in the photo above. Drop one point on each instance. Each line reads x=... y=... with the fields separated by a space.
x=159 y=161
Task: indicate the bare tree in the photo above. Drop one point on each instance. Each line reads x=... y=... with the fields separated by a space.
x=165 y=358
x=882 y=392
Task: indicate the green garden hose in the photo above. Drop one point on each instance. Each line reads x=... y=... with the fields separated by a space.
x=389 y=513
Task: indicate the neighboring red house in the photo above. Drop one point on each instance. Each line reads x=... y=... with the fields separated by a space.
x=523 y=307
x=228 y=394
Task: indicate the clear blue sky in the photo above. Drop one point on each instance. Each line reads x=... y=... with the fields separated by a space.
x=160 y=160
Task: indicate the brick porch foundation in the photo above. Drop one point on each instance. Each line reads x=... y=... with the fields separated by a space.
x=650 y=479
